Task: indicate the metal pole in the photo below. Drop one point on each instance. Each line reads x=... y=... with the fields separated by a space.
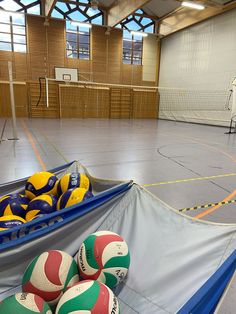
x=3 y=130
x=47 y=98
x=12 y=100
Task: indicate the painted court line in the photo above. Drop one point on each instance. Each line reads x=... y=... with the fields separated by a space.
x=206 y=206
x=212 y=209
x=32 y=142
x=57 y=150
x=191 y=179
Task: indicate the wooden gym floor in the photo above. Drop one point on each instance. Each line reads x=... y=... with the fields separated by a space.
x=185 y=165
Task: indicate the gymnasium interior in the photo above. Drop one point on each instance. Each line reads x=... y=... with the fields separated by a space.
x=140 y=97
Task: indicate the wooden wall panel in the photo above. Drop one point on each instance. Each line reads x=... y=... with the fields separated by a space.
x=41 y=111
x=120 y=103
x=145 y=104
x=20 y=66
x=126 y=103
x=131 y=74
x=71 y=101
x=84 y=68
x=115 y=101
x=56 y=46
x=84 y=102
x=99 y=54
x=114 y=56
x=6 y=56
x=47 y=49
x=21 y=100
x=5 y=109
x=37 y=47
x=97 y=102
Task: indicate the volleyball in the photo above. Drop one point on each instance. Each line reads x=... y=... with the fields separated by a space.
x=88 y=297
x=104 y=256
x=40 y=205
x=24 y=303
x=72 y=197
x=13 y=204
x=49 y=275
x=37 y=217
x=41 y=183
x=10 y=221
x=71 y=181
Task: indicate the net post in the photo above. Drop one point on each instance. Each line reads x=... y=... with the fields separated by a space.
x=47 y=96
x=12 y=98
x=233 y=109
x=3 y=130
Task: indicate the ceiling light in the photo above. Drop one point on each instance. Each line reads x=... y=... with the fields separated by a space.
x=139 y=34
x=193 y=5
x=80 y=24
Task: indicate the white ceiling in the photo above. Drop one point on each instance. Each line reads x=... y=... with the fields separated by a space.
x=157 y=8
x=161 y=7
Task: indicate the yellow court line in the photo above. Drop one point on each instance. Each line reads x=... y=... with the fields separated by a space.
x=32 y=142
x=191 y=179
x=212 y=209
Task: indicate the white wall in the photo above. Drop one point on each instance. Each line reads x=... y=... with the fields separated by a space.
x=202 y=57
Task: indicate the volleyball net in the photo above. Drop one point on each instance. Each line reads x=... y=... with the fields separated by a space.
x=81 y=99
x=212 y=107
x=86 y=99
x=189 y=100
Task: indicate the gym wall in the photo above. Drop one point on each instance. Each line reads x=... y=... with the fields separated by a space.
x=47 y=50
x=201 y=57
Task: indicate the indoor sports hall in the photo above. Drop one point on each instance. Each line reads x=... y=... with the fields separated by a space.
x=117 y=156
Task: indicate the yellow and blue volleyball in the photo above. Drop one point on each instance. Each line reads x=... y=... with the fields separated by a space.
x=37 y=217
x=88 y=297
x=41 y=183
x=72 y=197
x=24 y=303
x=11 y=221
x=73 y=180
x=41 y=205
x=14 y=204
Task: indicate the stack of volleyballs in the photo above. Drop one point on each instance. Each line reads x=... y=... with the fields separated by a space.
x=44 y=193
x=55 y=281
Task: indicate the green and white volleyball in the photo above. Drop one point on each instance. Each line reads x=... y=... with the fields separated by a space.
x=88 y=297
x=24 y=303
x=49 y=275
x=104 y=256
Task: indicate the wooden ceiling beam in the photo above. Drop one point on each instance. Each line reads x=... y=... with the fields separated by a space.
x=123 y=8
x=48 y=7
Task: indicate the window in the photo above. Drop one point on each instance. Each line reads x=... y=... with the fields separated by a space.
x=80 y=11
x=77 y=41
x=132 y=48
x=138 y=21
x=26 y=6
x=133 y=44
x=12 y=32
